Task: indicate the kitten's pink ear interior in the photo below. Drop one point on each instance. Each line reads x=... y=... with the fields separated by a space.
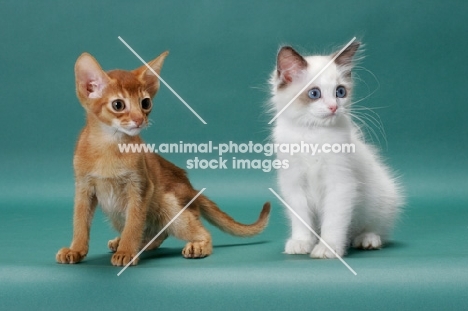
x=346 y=57
x=147 y=75
x=289 y=64
x=91 y=80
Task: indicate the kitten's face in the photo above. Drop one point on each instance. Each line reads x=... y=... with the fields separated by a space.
x=325 y=100
x=120 y=100
x=124 y=105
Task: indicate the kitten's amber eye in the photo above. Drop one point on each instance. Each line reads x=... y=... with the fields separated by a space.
x=314 y=93
x=340 y=91
x=118 y=105
x=146 y=104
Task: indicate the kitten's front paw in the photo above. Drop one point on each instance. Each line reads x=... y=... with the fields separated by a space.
x=368 y=240
x=121 y=258
x=298 y=246
x=66 y=255
x=197 y=249
x=320 y=251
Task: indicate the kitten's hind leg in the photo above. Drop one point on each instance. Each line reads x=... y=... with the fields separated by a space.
x=367 y=240
x=156 y=243
x=197 y=249
x=189 y=228
x=199 y=245
x=113 y=244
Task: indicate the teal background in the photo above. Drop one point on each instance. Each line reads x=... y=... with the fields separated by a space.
x=221 y=56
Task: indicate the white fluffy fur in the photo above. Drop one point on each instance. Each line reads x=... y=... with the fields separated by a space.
x=346 y=198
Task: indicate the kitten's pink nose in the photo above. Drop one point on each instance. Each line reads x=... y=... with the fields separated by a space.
x=138 y=121
x=333 y=108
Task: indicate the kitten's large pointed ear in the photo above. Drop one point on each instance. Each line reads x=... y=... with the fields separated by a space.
x=347 y=56
x=148 y=77
x=91 y=80
x=289 y=64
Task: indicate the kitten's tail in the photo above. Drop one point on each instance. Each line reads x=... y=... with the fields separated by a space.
x=226 y=223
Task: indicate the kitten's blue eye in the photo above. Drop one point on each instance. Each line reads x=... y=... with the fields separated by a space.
x=340 y=91
x=314 y=93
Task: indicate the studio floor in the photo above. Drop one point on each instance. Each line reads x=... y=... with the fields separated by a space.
x=424 y=267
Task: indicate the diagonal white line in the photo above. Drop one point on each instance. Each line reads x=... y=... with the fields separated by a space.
x=312 y=230
x=311 y=81
x=162 y=230
x=162 y=80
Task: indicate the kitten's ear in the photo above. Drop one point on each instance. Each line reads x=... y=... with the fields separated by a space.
x=346 y=57
x=289 y=64
x=91 y=80
x=148 y=77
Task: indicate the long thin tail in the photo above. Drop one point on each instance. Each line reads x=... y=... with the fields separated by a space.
x=226 y=223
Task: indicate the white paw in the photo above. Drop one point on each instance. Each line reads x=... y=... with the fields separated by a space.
x=367 y=240
x=321 y=251
x=298 y=246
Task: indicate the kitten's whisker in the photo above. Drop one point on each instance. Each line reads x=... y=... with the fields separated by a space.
x=361 y=127
x=377 y=123
x=149 y=123
x=362 y=118
x=362 y=99
x=369 y=128
x=371 y=73
x=359 y=107
x=375 y=116
x=365 y=97
x=374 y=113
x=357 y=77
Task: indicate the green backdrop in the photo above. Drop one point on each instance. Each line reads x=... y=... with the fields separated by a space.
x=221 y=55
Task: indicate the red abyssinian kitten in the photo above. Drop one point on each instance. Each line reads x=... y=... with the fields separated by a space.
x=139 y=192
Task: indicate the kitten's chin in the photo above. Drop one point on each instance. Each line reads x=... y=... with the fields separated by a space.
x=330 y=119
x=131 y=131
x=323 y=120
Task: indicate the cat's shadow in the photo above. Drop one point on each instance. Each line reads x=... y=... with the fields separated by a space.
x=176 y=252
x=389 y=245
x=395 y=245
x=162 y=252
x=165 y=252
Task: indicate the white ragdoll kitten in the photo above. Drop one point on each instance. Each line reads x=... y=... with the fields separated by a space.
x=347 y=198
